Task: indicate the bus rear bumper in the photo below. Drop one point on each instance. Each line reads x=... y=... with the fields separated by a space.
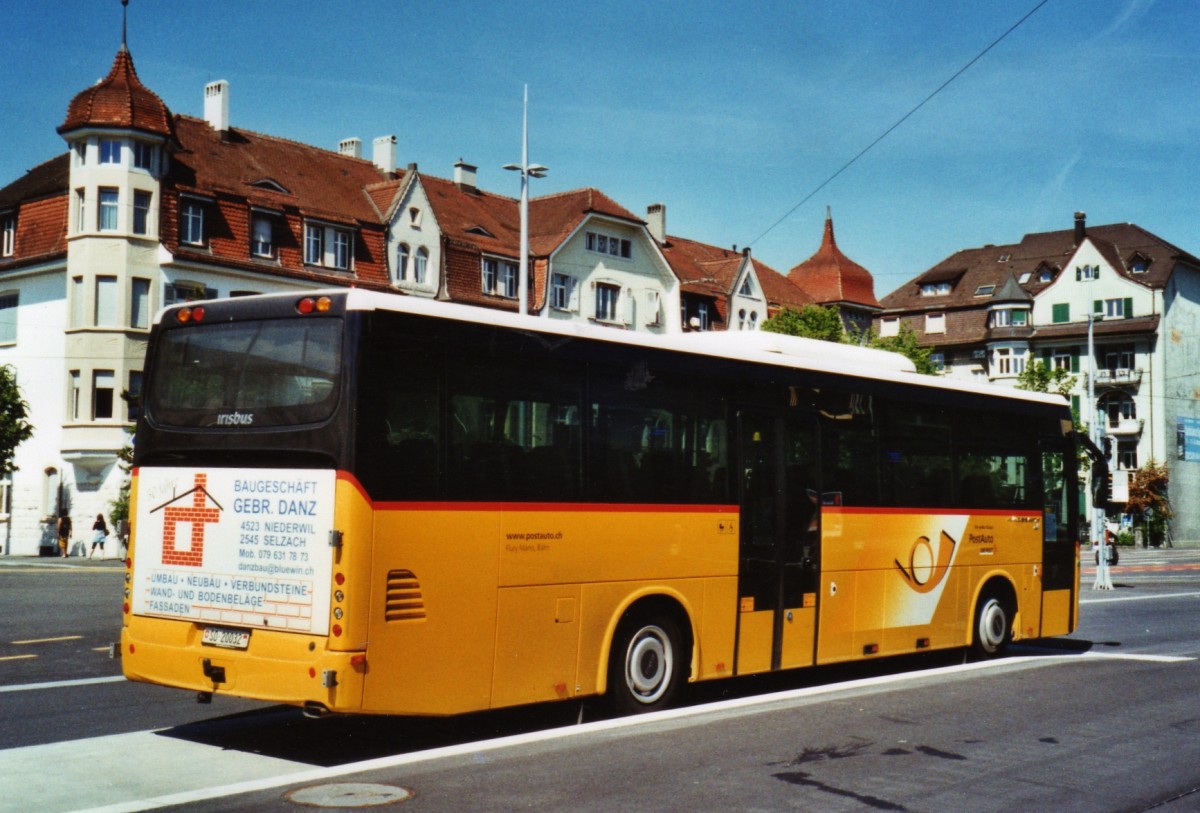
x=319 y=681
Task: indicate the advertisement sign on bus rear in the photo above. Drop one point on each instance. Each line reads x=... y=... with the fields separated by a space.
x=235 y=547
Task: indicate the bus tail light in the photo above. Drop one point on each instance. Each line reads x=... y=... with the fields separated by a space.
x=314 y=304
x=190 y=314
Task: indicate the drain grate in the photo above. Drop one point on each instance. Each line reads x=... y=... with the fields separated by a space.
x=349 y=794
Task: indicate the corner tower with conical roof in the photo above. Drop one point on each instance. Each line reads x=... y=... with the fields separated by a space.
x=119 y=135
x=833 y=279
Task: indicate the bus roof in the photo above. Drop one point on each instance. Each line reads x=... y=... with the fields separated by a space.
x=752 y=346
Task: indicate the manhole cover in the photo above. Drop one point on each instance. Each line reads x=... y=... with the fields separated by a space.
x=350 y=794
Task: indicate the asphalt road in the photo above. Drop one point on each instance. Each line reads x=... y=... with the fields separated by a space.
x=1103 y=720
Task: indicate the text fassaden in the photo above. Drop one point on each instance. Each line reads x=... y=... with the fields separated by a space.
x=245 y=547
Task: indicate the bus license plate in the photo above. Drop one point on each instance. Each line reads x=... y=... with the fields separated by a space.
x=230 y=639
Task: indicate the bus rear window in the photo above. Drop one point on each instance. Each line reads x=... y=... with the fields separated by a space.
x=252 y=374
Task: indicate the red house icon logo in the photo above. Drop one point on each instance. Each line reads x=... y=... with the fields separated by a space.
x=196 y=515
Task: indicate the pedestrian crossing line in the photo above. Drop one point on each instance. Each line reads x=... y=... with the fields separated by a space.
x=16 y=657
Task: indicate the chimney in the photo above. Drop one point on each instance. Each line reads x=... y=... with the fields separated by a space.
x=1080 y=227
x=464 y=176
x=216 y=105
x=351 y=147
x=384 y=155
x=656 y=221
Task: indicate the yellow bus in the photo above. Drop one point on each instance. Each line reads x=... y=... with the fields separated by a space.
x=361 y=502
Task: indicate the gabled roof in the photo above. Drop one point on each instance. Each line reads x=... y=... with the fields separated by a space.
x=119 y=101
x=460 y=210
x=830 y=277
x=1121 y=244
x=714 y=271
x=492 y=223
x=552 y=218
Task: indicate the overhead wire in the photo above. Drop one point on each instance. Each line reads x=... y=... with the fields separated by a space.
x=901 y=120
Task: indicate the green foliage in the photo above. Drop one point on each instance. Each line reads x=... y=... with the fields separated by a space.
x=810 y=322
x=825 y=323
x=15 y=429
x=906 y=343
x=1037 y=377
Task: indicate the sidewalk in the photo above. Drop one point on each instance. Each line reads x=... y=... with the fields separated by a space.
x=58 y=561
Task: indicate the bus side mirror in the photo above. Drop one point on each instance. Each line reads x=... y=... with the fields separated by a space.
x=1101 y=482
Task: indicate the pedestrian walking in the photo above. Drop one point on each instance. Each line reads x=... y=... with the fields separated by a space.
x=99 y=534
x=64 y=535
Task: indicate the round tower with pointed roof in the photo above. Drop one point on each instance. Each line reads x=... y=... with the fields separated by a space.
x=832 y=278
x=120 y=134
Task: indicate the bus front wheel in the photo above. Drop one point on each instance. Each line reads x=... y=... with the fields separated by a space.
x=993 y=626
x=646 y=666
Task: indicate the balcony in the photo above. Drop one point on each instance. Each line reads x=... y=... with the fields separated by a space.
x=1118 y=377
x=1123 y=426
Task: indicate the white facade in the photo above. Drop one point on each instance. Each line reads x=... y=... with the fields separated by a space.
x=611 y=272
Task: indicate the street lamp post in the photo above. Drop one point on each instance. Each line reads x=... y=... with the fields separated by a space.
x=1099 y=532
x=527 y=171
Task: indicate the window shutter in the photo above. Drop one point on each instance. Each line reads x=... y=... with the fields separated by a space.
x=1078 y=274
x=1097 y=306
x=1075 y=360
x=1128 y=312
x=572 y=294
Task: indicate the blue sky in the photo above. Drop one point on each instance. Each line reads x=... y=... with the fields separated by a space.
x=728 y=113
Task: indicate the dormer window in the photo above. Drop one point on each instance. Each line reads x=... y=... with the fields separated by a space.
x=935 y=289
x=499 y=278
x=327 y=246
x=1045 y=274
x=1139 y=264
x=262 y=238
x=8 y=234
x=270 y=186
x=191 y=222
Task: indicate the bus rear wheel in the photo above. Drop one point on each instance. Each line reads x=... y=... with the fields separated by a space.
x=647 y=665
x=993 y=626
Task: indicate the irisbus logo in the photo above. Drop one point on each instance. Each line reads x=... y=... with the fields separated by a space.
x=235 y=418
x=926 y=568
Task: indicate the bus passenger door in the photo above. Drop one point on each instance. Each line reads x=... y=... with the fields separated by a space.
x=780 y=540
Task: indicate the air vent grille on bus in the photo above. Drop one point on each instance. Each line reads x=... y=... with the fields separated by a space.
x=403 y=601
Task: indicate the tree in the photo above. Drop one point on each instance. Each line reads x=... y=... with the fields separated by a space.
x=15 y=429
x=1037 y=377
x=810 y=322
x=825 y=323
x=906 y=343
x=1148 y=497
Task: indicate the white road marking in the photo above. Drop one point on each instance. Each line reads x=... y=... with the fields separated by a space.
x=86 y=769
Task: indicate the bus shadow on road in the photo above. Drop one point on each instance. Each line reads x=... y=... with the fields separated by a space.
x=283 y=732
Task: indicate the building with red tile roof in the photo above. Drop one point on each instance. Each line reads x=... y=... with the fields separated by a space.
x=148 y=207
x=990 y=312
